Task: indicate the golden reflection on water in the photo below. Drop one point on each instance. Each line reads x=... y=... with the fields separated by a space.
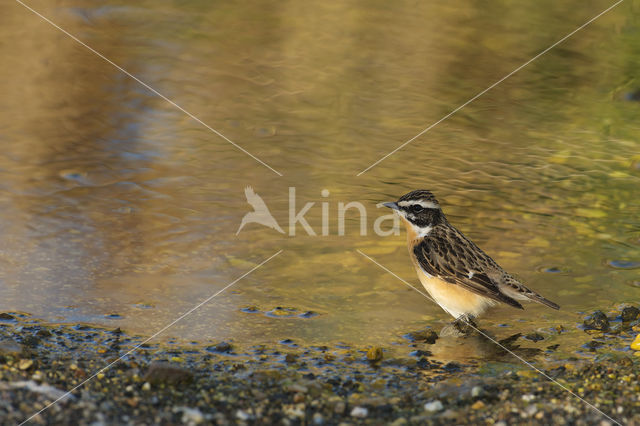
x=115 y=203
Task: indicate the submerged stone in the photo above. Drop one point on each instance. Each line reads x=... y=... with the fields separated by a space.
x=630 y=313
x=427 y=335
x=374 y=354
x=534 y=337
x=597 y=321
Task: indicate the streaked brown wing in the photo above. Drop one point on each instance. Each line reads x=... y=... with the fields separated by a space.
x=436 y=257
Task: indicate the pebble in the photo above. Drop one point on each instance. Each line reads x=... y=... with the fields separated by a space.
x=164 y=372
x=360 y=412
x=296 y=388
x=10 y=348
x=339 y=407
x=290 y=358
x=531 y=410
x=318 y=419
x=630 y=313
x=478 y=405
x=635 y=345
x=597 y=321
x=25 y=364
x=191 y=415
x=427 y=335
x=433 y=406
x=223 y=347
x=476 y=391
x=374 y=354
x=6 y=317
x=242 y=415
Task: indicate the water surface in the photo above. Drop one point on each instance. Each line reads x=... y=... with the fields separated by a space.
x=117 y=209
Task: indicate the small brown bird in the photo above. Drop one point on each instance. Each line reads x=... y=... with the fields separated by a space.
x=458 y=275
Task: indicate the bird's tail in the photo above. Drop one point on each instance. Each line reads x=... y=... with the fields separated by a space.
x=516 y=289
x=537 y=298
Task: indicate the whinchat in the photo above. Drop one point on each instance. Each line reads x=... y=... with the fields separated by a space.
x=458 y=275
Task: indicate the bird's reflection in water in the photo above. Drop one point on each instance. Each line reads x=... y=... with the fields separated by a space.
x=476 y=347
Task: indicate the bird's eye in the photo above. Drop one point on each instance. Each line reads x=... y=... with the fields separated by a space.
x=417 y=208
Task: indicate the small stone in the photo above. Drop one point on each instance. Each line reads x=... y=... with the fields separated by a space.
x=146 y=386
x=635 y=345
x=476 y=391
x=242 y=415
x=43 y=332
x=6 y=317
x=360 y=412
x=597 y=321
x=164 y=372
x=222 y=347
x=10 y=348
x=478 y=405
x=31 y=341
x=192 y=415
x=400 y=421
x=295 y=388
x=630 y=313
x=452 y=367
x=427 y=335
x=318 y=419
x=528 y=397
x=290 y=358
x=339 y=407
x=449 y=414
x=433 y=406
x=531 y=410
x=298 y=398
x=25 y=364
x=374 y=354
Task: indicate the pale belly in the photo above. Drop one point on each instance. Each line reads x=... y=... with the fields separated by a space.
x=455 y=300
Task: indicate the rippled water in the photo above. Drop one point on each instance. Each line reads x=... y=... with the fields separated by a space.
x=118 y=209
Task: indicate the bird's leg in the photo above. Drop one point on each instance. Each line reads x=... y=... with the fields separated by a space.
x=465 y=324
x=462 y=326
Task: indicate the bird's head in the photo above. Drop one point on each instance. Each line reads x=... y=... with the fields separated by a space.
x=420 y=211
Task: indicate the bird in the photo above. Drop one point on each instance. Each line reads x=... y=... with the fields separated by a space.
x=260 y=213
x=456 y=273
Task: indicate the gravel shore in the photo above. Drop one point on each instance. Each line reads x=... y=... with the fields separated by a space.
x=286 y=383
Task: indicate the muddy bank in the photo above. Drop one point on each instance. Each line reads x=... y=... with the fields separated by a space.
x=288 y=383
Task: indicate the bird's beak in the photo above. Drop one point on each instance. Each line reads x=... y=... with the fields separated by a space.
x=391 y=205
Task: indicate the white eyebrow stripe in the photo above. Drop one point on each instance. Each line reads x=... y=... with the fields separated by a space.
x=425 y=204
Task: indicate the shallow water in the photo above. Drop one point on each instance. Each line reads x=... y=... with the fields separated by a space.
x=117 y=209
